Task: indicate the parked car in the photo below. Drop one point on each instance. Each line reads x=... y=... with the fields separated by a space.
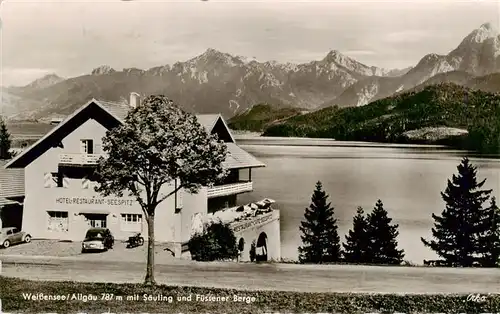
x=12 y=235
x=98 y=239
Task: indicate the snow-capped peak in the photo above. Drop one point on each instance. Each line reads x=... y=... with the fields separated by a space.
x=484 y=32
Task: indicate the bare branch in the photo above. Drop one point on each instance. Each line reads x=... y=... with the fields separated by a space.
x=170 y=194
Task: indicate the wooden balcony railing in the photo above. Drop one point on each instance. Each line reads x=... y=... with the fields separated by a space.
x=79 y=159
x=230 y=189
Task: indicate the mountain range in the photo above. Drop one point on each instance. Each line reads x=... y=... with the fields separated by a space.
x=217 y=82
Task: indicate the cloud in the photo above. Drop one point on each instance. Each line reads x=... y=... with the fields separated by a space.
x=354 y=53
x=407 y=36
x=74 y=36
x=22 y=76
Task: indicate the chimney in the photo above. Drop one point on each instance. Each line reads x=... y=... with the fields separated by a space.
x=135 y=100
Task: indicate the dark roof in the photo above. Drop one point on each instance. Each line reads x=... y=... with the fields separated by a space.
x=239 y=158
x=11 y=183
x=118 y=110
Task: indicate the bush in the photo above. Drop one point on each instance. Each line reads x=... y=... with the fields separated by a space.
x=215 y=242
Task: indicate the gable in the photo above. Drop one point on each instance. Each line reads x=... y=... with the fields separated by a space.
x=53 y=139
x=220 y=128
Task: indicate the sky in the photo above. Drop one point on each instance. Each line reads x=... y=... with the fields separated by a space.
x=70 y=38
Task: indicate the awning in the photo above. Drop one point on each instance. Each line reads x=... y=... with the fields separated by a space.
x=94 y=211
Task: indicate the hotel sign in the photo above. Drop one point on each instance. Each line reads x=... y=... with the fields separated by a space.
x=94 y=201
x=252 y=223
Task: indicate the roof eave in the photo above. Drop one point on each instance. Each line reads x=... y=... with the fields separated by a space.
x=244 y=167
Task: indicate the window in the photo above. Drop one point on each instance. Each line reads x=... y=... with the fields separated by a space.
x=15 y=230
x=131 y=222
x=96 y=220
x=10 y=232
x=57 y=221
x=58 y=179
x=87 y=146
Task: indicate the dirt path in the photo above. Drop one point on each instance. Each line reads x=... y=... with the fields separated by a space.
x=285 y=277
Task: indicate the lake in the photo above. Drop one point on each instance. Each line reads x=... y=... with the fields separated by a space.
x=407 y=178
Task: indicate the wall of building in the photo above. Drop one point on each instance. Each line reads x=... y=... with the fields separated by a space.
x=74 y=199
x=271 y=229
x=193 y=204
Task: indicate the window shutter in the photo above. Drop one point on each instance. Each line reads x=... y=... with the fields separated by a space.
x=85 y=183
x=48 y=180
x=179 y=199
x=98 y=148
x=65 y=182
x=83 y=146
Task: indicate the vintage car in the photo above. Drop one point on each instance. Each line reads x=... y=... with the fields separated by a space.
x=13 y=235
x=98 y=239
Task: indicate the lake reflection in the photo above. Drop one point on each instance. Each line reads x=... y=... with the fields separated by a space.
x=407 y=178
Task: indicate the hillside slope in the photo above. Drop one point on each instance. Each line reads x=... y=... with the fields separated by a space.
x=441 y=107
x=261 y=116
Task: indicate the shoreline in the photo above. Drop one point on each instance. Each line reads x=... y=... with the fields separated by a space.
x=258 y=140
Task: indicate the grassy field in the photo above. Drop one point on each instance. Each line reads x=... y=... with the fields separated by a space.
x=20 y=296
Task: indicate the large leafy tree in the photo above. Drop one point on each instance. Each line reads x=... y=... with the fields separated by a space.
x=157 y=144
x=357 y=244
x=321 y=242
x=383 y=237
x=5 y=141
x=458 y=230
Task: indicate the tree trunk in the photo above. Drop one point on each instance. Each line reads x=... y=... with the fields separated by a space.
x=150 y=276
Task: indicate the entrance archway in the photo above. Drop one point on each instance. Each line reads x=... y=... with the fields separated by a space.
x=241 y=245
x=261 y=248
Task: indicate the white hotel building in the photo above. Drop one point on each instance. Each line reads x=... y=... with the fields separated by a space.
x=58 y=200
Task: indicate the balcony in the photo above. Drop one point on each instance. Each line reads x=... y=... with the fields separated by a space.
x=79 y=159
x=230 y=189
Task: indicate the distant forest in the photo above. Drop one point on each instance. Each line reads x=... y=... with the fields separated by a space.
x=388 y=120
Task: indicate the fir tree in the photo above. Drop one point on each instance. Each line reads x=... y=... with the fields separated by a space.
x=490 y=240
x=321 y=242
x=5 y=141
x=356 y=247
x=458 y=230
x=383 y=237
